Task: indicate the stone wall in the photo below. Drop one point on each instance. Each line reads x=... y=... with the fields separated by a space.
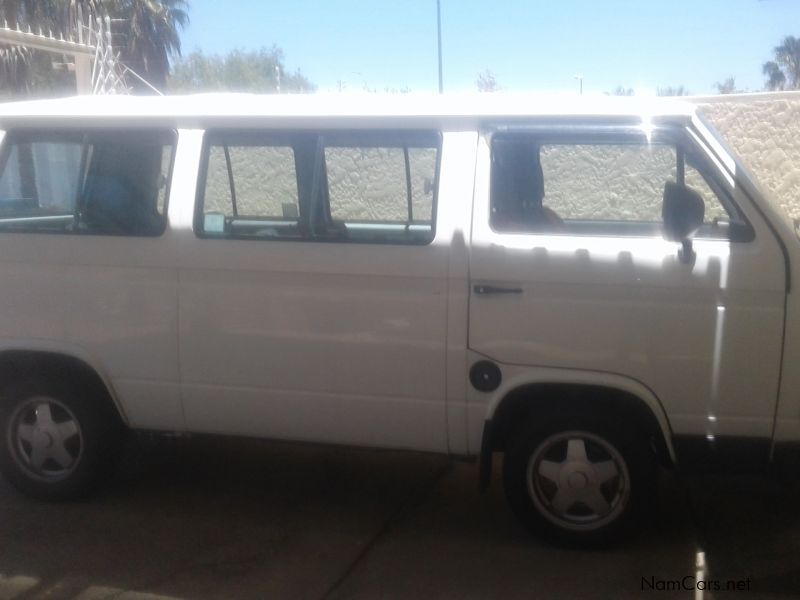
x=365 y=184
x=615 y=182
x=764 y=130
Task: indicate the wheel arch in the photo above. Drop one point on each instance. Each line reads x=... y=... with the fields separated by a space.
x=17 y=361
x=584 y=394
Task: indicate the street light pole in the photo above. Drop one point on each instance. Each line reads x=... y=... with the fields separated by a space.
x=439 y=39
x=580 y=81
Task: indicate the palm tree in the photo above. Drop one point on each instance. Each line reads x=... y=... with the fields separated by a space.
x=9 y=11
x=15 y=61
x=49 y=15
x=776 y=80
x=14 y=69
x=788 y=56
x=19 y=66
x=784 y=71
x=148 y=36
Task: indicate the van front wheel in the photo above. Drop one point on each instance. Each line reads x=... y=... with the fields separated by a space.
x=576 y=481
x=57 y=443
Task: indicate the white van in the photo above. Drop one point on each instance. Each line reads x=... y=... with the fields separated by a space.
x=591 y=288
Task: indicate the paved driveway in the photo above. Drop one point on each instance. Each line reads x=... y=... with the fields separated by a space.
x=214 y=518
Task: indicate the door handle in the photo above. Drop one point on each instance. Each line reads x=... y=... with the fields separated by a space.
x=493 y=289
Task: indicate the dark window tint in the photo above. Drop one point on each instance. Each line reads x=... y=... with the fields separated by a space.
x=109 y=183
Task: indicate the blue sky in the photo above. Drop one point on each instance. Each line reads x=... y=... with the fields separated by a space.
x=528 y=45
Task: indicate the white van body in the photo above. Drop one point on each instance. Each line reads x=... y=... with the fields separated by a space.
x=372 y=344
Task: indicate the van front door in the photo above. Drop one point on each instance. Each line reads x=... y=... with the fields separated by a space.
x=569 y=270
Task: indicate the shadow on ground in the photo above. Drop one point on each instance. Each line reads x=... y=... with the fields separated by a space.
x=221 y=518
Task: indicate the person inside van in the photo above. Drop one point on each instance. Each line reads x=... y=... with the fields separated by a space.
x=122 y=190
x=517 y=188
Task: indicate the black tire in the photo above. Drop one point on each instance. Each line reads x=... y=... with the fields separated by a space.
x=58 y=440
x=578 y=498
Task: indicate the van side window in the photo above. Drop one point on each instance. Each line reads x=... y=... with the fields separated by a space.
x=251 y=190
x=356 y=187
x=367 y=184
x=94 y=183
x=382 y=193
x=592 y=187
x=606 y=182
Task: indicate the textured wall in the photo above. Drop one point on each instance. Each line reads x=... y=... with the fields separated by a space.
x=369 y=184
x=265 y=180
x=764 y=130
x=365 y=184
x=615 y=182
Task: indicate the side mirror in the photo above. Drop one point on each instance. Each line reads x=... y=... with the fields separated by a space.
x=683 y=212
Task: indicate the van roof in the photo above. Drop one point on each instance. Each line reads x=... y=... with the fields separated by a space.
x=334 y=106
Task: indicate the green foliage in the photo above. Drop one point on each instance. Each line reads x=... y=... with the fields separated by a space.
x=487 y=82
x=728 y=86
x=47 y=14
x=672 y=91
x=621 y=90
x=776 y=80
x=146 y=33
x=783 y=73
x=238 y=71
x=680 y=90
x=26 y=72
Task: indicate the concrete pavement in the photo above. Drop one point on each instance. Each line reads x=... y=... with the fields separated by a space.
x=220 y=518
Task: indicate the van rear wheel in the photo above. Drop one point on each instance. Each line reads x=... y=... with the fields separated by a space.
x=57 y=441
x=576 y=481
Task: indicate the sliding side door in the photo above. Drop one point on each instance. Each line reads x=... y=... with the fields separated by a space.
x=313 y=291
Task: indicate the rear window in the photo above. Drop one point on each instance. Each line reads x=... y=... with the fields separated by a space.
x=109 y=183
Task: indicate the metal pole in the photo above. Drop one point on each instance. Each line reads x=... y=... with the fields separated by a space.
x=580 y=82
x=83 y=74
x=439 y=38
